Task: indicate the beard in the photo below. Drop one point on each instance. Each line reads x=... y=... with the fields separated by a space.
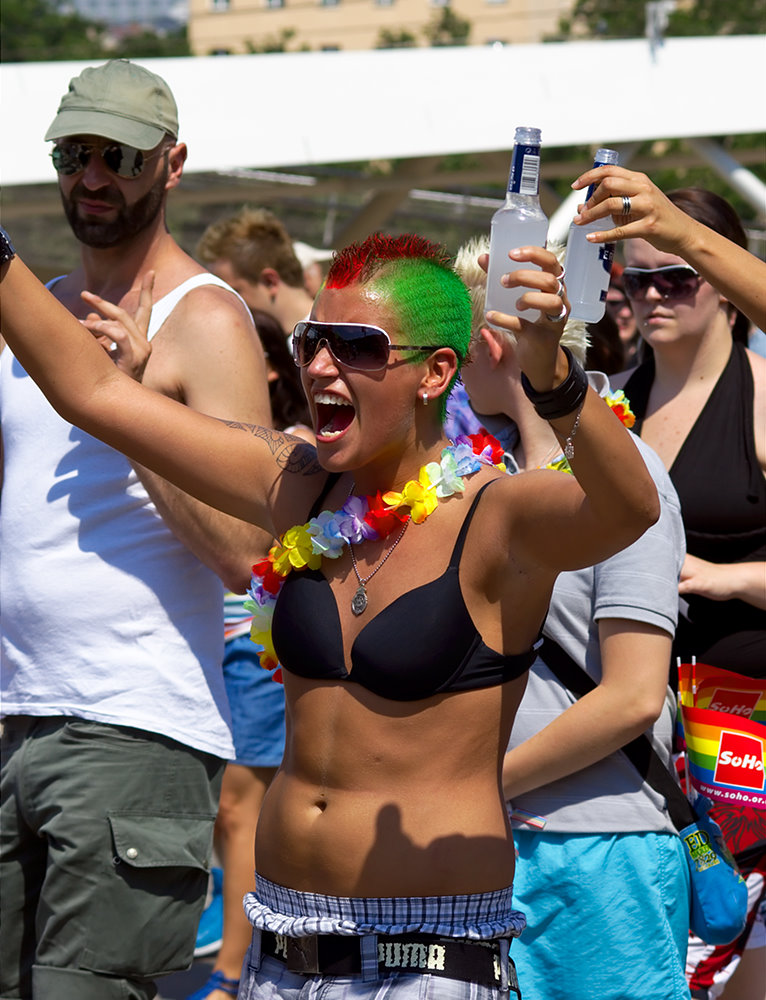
x=130 y=221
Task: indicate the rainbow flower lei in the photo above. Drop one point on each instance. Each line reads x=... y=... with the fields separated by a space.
x=360 y=518
x=618 y=403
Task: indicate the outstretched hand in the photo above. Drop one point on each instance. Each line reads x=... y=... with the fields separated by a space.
x=123 y=336
x=545 y=298
x=652 y=216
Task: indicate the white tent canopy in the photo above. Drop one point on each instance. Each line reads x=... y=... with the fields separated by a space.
x=328 y=107
x=305 y=109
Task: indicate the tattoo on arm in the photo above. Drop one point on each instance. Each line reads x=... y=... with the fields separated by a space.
x=290 y=453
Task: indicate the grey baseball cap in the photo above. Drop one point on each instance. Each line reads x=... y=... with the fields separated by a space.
x=118 y=100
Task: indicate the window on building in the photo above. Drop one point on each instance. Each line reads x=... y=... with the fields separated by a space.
x=384 y=3
x=330 y=48
x=329 y=3
x=219 y=6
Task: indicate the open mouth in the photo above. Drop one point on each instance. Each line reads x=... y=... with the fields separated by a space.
x=334 y=415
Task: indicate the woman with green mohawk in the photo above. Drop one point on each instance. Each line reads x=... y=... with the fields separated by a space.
x=384 y=856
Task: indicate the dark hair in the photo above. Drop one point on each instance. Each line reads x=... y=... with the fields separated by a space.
x=288 y=403
x=605 y=351
x=716 y=213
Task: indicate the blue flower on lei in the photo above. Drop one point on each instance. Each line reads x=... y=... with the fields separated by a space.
x=326 y=537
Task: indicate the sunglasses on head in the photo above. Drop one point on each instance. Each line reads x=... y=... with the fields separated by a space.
x=123 y=160
x=677 y=281
x=353 y=345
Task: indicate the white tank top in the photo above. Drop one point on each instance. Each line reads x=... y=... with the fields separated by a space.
x=104 y=614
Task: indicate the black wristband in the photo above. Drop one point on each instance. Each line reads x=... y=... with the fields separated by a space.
x=7 y=249
x=565 y=398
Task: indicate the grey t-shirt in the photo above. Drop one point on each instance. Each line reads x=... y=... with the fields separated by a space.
x=640 y=583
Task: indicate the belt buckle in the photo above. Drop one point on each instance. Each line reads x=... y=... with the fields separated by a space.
x=303 y=955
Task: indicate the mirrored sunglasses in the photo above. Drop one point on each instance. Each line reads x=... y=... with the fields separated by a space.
x=125 y=161
x=353 y=345
x=677 y=281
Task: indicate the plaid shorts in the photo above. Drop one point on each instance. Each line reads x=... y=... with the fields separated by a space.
x=476 y=917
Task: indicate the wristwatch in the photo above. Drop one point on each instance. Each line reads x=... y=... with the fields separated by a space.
x=7 y=249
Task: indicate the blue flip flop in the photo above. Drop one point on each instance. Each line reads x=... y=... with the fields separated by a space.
x=217 y=981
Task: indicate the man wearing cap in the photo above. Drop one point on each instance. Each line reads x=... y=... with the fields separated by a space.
x=116 y=724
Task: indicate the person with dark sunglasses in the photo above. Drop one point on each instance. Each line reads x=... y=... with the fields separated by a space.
x=117 y=727
x=700 y=402
x=403 y=600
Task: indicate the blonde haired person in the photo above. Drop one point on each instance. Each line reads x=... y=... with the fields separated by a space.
x=597 y=853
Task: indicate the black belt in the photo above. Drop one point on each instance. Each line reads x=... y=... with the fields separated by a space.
x=339 y=955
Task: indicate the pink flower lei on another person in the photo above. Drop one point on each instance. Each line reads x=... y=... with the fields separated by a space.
x=360 y=518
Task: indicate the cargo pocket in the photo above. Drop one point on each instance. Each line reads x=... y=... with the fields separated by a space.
x=143 y=921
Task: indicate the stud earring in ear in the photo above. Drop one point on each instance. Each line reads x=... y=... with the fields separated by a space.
x=425 y=399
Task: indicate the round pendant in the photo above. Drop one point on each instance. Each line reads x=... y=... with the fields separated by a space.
x=359 y=601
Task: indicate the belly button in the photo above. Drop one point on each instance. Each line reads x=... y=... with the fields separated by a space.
x=321 y=805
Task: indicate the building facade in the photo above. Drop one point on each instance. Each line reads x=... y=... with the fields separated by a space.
x=241 y=26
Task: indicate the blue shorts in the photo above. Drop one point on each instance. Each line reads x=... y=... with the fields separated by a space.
x=257 y=706
x=607 y=916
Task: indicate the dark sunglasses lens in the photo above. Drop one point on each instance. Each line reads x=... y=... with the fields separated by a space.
x=68 y=159
x=679 y=284
x=360 y=348
x=672 y=282
x=356 y=347
x=125 y=161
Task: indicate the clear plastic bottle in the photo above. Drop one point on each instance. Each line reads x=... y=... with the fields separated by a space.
x=588 y=265
x=520 y=222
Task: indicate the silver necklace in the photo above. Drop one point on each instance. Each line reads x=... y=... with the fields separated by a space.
x=359 y=600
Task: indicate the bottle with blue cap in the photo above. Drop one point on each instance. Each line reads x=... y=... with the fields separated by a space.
x=589 y=265
x=519 y=222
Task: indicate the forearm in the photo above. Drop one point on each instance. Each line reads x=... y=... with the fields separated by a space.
x=744 y=581
x=224 y=544
x=592 y=728
x=621 y=499
x=635 y=659
x=41 y=332
x=736 y=273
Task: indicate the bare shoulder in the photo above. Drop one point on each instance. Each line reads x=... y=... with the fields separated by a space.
x=757 y=366
x=210 y=310
x=208 y=355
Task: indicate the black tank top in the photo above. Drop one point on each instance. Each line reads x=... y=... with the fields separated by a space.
x=723 y=502
x=424 y=643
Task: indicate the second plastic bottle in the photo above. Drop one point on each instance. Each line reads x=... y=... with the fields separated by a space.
x=589 y=265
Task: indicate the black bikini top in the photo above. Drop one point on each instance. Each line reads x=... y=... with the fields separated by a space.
x=422 y=644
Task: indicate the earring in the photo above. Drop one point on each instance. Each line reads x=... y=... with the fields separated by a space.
x=425 y=399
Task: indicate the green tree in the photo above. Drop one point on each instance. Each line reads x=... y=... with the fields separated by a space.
x=401 y=39
x=273 y=43
x=153 y=45
x=33 y=30
x=446 y=28
x=627 y=19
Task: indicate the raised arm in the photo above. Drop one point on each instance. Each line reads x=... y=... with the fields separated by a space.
x=572 y=523
x=245 y=470
x=736 y=273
